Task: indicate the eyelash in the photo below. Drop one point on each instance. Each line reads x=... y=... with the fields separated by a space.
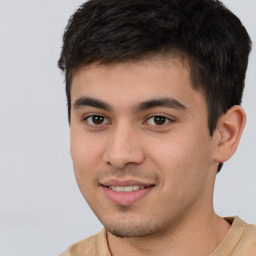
x=167 y=121
x=85 y=119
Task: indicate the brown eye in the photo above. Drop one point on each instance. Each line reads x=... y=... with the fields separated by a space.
x=96 y=120
x=158 y=120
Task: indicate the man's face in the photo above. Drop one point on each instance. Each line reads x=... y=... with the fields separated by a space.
x=140 y=145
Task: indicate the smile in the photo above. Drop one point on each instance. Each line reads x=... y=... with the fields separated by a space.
x=126 y=189
x=126 y=195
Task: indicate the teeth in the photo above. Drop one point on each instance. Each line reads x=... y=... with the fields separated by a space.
x=119 y=189
x=126 y=189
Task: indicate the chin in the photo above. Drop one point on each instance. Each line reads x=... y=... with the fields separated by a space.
x=132 y=229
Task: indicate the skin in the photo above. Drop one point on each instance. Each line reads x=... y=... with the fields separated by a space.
x=121 y=141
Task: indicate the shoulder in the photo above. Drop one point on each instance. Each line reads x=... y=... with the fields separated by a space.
x=247 y=244
x=95 y=245
x=243 y=237
x=239 y=241
x=83 y=247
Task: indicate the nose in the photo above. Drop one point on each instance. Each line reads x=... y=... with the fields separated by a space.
x=124 y=148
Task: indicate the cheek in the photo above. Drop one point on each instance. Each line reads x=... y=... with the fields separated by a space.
x=85 y=156
x=183 y=161
x=84 y=147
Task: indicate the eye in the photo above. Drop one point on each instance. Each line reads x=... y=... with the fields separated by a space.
x=158 y=120
x=96 y=120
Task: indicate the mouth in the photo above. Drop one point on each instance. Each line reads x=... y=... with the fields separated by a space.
x=125 y=193
x=126 y=189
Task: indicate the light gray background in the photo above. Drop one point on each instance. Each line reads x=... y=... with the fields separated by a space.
x=41 y=209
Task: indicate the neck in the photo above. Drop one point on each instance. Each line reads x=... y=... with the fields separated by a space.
x=195 y=237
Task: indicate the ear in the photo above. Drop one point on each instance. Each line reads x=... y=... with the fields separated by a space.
x=229 y=130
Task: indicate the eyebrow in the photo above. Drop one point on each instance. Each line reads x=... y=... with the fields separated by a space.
x=87 y=101
x=167 y=102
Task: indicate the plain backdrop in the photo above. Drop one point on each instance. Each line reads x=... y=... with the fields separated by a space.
x=41 y=209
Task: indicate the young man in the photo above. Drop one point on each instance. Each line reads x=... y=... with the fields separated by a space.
x=154 y=91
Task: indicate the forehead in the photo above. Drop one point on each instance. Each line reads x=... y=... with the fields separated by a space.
x=132 y=82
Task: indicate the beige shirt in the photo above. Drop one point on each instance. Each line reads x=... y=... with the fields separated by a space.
x=239 y=241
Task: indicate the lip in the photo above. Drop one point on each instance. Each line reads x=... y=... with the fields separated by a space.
x=124 y=183
x=125 y=198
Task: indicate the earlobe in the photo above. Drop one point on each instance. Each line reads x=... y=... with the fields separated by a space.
x=230 y=127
